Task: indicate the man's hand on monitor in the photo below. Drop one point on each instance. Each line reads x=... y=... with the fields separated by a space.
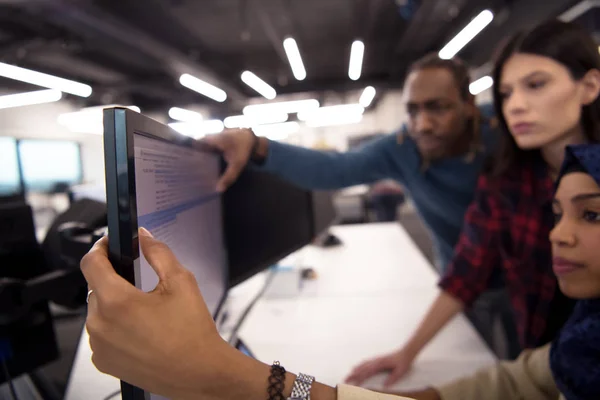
x=237 y=146
x=164 y=341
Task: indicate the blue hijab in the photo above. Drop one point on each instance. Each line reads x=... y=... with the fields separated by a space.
x=575 y=354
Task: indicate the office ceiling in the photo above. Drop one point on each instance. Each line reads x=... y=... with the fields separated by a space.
x=133 y=51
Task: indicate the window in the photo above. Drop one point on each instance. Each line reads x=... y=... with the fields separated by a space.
x=46 y=163
x=9 y=167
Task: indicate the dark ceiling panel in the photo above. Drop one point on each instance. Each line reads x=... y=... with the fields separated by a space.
x=219 y=25
x=73 y=66
x=130 y=49
x=516 y=16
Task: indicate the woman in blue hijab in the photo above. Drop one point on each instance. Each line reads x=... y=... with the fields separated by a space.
x=569 y=368
x=575 y=355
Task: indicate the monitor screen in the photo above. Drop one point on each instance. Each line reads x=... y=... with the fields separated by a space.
x=178 y=204
x=10 y=181
x=166 y=183
x=46 y=163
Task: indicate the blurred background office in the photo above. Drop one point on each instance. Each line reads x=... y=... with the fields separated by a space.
x=330 y=70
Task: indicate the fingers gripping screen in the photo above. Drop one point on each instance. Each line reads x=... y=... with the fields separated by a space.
x=178 y=204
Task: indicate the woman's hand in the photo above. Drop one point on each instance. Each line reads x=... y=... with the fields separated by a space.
x=164 y=341
x=397 y=364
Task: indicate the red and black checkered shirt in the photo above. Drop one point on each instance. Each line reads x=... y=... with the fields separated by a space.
x=507 y=227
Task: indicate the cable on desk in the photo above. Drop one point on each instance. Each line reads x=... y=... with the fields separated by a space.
x=113 y=395
x=11 y=384
x=260 y=294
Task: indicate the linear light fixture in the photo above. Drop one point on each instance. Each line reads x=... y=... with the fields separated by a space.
x=466 y=34
x=262 y=87
x=285 y=107
x=343 y=114
x=293 y=54
x=480 y=85
x=181 y=114
x=197 y=130
x=249 y=121
x=45 y=80
x=357 y=52
x=277 y=131
x=30 y=98
x=367 y=96
x=202 y=87
x=342 y=109
x=336 y=119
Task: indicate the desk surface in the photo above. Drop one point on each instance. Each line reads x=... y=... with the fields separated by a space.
x=370 y=294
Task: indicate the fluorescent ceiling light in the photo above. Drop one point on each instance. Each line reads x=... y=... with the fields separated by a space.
x=467 y=34
x=277 y=131
x=356 y=60
x=45 y=80
x=293 y=55
x=481 y=85
x=335 y=119
x=324 y=112
x=333 y=115
x=285 y=107
x=181 y=114
x=262 y=87
x=367 y=96
x=88 y=120
x=204 y=88
x=30 y=98
x=247 y=121
x=197 y=130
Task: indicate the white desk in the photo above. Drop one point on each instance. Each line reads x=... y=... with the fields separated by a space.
x=370 y=294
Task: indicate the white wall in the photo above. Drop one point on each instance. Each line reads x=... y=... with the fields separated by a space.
x=39 y=122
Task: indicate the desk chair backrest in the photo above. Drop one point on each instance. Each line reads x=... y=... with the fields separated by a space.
x=91 y=213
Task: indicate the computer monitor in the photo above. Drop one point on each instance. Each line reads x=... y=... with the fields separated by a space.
x=10 y=175
x=266 y=219
x=323 y=211
x=48 y=164
x=164 y=182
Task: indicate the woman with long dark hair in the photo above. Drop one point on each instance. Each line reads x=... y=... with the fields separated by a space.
x=546 y=85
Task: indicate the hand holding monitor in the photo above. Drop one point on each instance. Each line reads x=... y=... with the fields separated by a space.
x=164 y=182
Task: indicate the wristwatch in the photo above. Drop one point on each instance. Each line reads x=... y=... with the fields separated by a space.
x=301 y=388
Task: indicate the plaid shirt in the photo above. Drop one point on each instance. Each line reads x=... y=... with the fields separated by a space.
x=507 y=226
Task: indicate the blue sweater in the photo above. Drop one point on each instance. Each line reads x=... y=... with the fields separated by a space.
x=441 y=193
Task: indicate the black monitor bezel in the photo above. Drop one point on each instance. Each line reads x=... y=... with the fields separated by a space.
x=120 y=125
